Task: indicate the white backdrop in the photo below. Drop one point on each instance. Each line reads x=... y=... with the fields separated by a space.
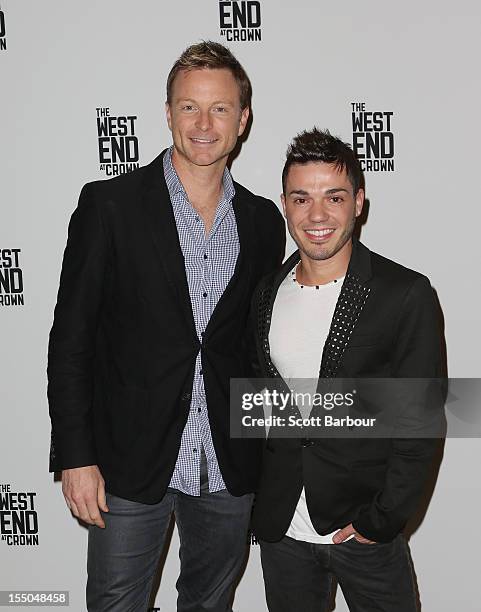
x=61 y=60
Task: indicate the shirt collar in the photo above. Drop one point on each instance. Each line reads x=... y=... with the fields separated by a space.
x=175 y=187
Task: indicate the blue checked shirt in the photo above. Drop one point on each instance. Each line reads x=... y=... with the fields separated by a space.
x=209 y=265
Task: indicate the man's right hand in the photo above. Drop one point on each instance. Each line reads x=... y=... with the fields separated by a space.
x=84 y=492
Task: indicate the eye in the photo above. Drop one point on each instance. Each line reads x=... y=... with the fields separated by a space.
x=336 y=199
x=187 y=107
x=220 y=109
x=299 y=200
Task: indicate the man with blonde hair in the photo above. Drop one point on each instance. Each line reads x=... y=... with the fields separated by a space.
x=149 y=327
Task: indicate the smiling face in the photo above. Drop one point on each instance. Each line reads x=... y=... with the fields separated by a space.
x=321 y=209
x=205 y=116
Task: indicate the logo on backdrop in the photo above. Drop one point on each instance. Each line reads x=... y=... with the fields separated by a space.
x=118 y=144
x=3 y=32
x=372 y=138
x=11 y=278
x=18 y=517
x=240 y=20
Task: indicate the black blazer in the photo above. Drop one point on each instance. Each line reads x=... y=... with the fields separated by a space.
x=385 y=325
x=123 y=344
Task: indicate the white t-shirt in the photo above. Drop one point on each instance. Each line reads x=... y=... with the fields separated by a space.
x=301 y=319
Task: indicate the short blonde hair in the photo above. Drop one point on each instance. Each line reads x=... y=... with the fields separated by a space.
x=213 y=55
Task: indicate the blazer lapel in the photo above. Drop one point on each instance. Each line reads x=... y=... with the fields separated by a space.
x=353 y=296
x=354 y=293
x=244 y=216
x=163 y=230
x=266 y=304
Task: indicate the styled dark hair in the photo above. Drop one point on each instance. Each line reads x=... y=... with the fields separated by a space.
x=320 y=146
x=209 y=54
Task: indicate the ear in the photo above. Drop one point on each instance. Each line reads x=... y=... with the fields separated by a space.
x=359 y=200
x=283 y=201
x=243 y=120
x=168 y=115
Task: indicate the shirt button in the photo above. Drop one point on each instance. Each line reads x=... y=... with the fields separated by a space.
x=199 y=409
x=204 y=294
x=205 y=255
x=195 y=450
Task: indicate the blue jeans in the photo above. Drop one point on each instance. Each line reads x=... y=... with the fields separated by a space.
x=373 y=577
x=123 y=557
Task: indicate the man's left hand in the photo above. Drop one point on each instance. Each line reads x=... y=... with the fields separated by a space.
x=343 y=534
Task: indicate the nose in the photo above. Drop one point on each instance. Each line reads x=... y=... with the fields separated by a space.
x=203 y=120
x=318 y=212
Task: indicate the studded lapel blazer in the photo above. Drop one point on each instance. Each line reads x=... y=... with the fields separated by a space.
x=385 y=324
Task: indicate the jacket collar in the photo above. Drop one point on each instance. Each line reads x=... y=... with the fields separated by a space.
x=354 y=293
x=174 y=184
x=359 y=264
x=163 y=230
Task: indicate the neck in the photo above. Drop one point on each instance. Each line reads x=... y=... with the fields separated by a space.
x=322 y=271
x=199 y=181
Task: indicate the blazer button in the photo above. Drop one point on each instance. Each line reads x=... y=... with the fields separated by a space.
x=186 y=397
x=305 y=442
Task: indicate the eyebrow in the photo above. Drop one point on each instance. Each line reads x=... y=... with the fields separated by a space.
x=303 y=192
x=336 y=190
x=300 y=192
x=225 y=102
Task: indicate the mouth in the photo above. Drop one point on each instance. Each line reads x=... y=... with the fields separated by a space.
x=203 y=141
x=319 y=235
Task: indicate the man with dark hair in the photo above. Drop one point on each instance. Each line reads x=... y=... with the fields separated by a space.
x=149 y=327
x=335 y=507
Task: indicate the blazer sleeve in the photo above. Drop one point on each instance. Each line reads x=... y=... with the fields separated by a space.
x=416 y=354
x=71 y=349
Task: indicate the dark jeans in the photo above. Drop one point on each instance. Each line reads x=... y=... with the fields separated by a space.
x=373 y=577
x=123 y=557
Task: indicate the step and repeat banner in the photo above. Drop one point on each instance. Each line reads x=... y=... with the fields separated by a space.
x=82 y=92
